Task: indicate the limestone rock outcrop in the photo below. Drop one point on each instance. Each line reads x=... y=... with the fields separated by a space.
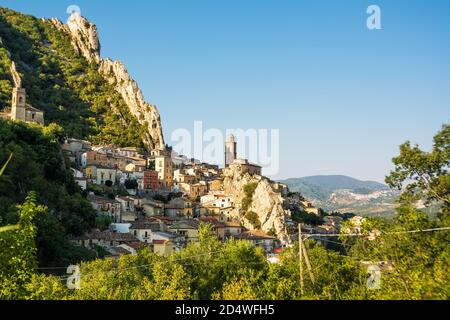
x=266 y=202
x=15 y=75
x=86 y=42
x=146 y=114
x=85 y=37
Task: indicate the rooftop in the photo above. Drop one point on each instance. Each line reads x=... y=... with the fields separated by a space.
x=107 y=236
x=144 y=225
x=186 y=224
x=161 y=242
x=254 y=235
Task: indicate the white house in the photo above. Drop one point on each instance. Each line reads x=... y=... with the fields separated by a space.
x=143 y=230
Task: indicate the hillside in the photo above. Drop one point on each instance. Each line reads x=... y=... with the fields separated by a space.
x=82 y=96
x=345 y=194
x=61 y=69
x=37 y=166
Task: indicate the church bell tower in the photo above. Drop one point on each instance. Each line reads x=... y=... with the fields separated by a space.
x=18 y=104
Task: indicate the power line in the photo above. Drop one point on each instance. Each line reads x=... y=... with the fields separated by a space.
x=306 y=236
x=363 y=235
x=140 y=266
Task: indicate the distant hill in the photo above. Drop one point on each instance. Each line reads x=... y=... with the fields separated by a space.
x=337 y=182
x=346 y=194
x=321 y=187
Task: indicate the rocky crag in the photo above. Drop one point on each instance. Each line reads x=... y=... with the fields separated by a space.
x=266 y=202
x=86 y=42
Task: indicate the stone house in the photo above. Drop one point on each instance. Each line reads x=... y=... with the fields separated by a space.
x=143 y=230
x=108 y=207
x=260 y=239
x=163 y=247
x=105 y=239
x=104 y=174
x=187 y=229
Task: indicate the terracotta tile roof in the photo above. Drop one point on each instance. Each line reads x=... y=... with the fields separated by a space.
x=135 y=245
x=185 y=224
x=143 y=225
x=107 y=236
x=217 y=224
x=102 y=200
x=163 y=218
x=278 y=250
x=31 y=108
x=254 y=235
x=208 y=219
x=161 y=242
x=232 y=224
x=121 y=251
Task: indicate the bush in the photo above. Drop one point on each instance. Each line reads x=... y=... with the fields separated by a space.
x=249 y=190
x=131 y=184
x=252 y=217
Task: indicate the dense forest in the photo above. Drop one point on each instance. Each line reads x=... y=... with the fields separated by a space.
x=37 y=165
x=62 y=83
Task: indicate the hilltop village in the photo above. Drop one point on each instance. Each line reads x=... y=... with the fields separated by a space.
x=159 y=198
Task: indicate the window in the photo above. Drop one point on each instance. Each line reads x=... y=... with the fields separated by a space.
x=20 y=99
x=32 y=116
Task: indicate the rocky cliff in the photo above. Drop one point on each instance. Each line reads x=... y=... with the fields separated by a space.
x=85 y=40
x=148 y=115
x=266 y=202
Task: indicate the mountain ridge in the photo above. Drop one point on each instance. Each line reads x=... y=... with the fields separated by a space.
x=345 y=194
x=345 y=182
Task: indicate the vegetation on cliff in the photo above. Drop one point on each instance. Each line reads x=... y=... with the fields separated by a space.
x=251 y=216
x=62 y=83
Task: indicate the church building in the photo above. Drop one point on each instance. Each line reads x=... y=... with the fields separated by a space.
x=20 y=110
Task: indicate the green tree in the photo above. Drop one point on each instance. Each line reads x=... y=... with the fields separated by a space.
x=18 y=254
x=38 y=165
x=131 y=184
x=425 y=175
x=102 y=222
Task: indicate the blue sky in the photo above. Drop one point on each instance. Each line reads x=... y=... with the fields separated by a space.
x=344 y=97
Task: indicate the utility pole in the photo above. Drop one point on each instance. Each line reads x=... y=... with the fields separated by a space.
x=308 y=264
x=300 y=254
